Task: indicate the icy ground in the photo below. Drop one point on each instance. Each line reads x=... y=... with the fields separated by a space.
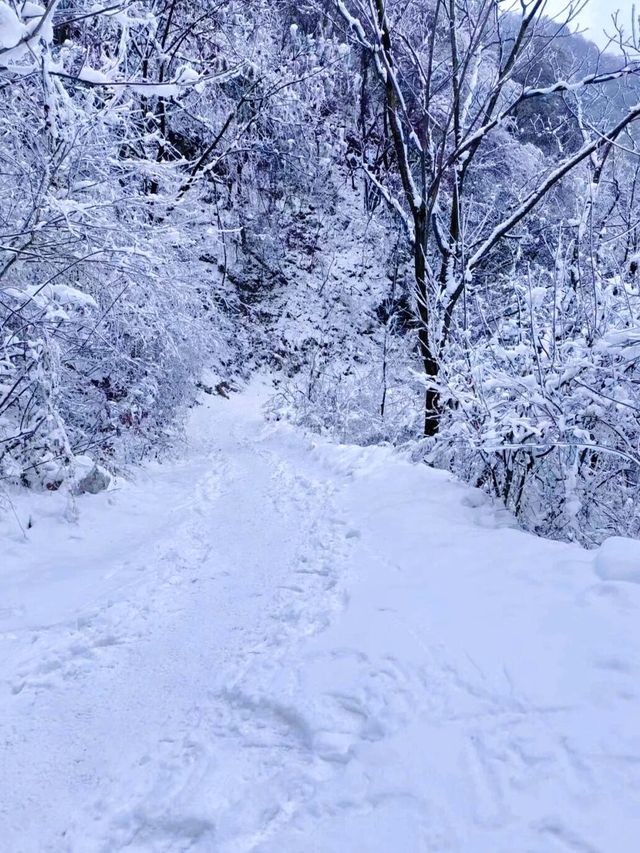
x=275 y=644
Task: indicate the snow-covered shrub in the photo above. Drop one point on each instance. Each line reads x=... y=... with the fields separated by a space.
x=107 y=309
x=544 y=412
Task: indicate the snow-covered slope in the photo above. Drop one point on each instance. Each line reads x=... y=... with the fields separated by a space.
x=275 y=644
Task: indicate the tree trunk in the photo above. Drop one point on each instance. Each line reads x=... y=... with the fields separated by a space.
x=432 y=410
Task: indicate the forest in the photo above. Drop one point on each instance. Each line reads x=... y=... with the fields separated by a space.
x=419 y=216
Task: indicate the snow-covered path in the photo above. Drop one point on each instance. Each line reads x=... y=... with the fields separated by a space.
x=279 y=645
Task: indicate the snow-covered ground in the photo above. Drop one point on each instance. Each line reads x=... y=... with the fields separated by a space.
x=275 y=644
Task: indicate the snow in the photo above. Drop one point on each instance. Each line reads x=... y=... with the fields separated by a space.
x=618 y=559
x=160 y=90
x=32 y=10
x=186 y=74
x=93 y=76
x=72 y=297
x=63 y=294
x=12 y=30
x=272 y=643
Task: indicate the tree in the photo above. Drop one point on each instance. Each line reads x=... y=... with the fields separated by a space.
x=453 y=75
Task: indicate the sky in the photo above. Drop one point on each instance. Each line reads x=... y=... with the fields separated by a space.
x=596 y=16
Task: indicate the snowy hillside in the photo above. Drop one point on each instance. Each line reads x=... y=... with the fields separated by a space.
x=277 y=644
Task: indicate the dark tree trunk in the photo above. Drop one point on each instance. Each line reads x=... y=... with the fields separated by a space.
x=432 y=397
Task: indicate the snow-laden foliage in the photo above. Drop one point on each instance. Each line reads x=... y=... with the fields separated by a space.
x=543 y=403
x=550 y=425
x=109 y=304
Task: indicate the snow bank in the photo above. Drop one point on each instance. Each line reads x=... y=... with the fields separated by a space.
x=618 y=559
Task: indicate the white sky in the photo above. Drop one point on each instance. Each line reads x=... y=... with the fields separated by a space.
x=596 y=17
